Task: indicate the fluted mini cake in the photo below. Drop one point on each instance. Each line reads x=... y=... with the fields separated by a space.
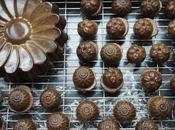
x=28 y=31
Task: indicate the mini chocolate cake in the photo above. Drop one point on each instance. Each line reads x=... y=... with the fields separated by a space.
x=170 y=9
x=87 y=28
x=171 y=29
x=112 y=80
x=136 y=54
x=146 y=124
x=111 y=54
x=58 y=121
x=121 y=7
x=172 y=84
x=20 y=99
x=91 y=8
x=151 y=80
x=87 y=51
x=160 y=53
x=117 y=27
x=151 y=7
x=159 y=106
x=25 y=124
x=87 y=111
x=145 y=28
x=84 y=79
x=108 y=124
x=50 y=98
x=124 y=112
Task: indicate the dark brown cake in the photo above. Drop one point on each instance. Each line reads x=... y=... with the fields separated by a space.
x=160 y=53
x=117 y=27
x=151 y=80
x=87 y=28
x=172 y=84
x=108 y=124
x=170 y=9
x=111 y=54
x=112 y=80
x=159 y=106
x=136 y=54
x=171 y=29
x=20 y=99
x=87 y=111
x=145 y=28
x=121 y=7
x=146 y=124
x=87 y=51
x=151 y=7
x=50 y=98
x=58 y=121
x=91 y=8
x=84 y=79
x=25 y=124
x=124 y=112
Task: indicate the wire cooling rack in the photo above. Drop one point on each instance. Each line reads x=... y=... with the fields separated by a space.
x=60 y=75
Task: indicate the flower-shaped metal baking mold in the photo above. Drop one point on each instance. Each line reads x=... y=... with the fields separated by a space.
x=27 y=33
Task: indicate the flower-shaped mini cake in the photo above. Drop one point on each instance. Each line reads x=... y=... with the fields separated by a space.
x=27 y=33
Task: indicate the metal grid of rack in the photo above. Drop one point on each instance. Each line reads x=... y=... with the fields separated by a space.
x=60 y=76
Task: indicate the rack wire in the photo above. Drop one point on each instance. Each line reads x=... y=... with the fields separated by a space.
x=60 y=75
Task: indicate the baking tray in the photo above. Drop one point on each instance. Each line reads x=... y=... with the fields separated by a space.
x=60 y=76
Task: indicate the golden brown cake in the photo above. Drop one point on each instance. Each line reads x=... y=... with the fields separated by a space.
x=27 y=34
